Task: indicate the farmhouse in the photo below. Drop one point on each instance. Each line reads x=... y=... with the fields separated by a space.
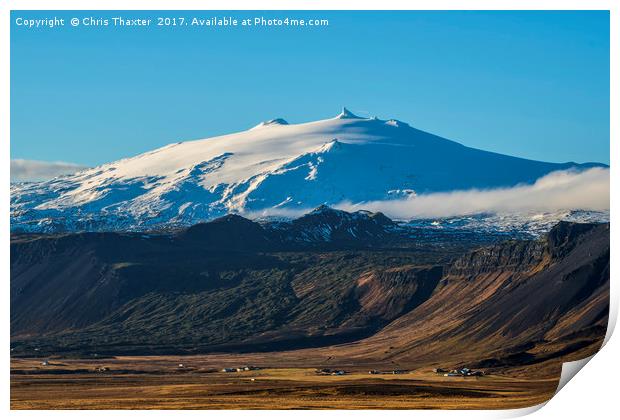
x=333 y=372
x=458 y=372
x=240 y=369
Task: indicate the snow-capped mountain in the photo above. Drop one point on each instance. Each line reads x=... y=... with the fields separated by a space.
x=515 y=225
x=272 y=165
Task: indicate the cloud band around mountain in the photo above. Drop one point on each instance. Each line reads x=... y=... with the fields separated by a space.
x=23 y=170
x=560 y=190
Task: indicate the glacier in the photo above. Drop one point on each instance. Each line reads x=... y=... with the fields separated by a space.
x=274 y=165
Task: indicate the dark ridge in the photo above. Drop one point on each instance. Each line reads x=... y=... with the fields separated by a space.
x=231 y=232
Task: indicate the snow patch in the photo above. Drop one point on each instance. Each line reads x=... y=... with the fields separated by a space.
x=271 y=123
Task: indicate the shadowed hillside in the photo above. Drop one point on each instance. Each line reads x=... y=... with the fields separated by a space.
x=328 y=278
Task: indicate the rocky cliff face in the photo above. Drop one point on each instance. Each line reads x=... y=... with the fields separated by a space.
x=522 y=256
x=516 y=256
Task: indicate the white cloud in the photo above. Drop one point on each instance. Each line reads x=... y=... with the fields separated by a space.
x=561 y=190
x=37 y=170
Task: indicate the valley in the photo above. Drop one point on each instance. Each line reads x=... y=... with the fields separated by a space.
x=157 y=383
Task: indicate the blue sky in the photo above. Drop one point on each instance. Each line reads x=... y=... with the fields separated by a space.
x=529 y=84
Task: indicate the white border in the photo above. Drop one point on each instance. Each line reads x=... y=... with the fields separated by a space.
x=593 y=395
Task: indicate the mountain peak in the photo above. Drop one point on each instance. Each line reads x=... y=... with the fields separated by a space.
x=269 y=123
x=323 y=208
x=331 y=145
x=346 y=114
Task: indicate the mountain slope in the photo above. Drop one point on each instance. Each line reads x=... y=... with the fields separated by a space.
x=274 y=165
x=510 y=304
x=408 y=299
x=272 y=279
